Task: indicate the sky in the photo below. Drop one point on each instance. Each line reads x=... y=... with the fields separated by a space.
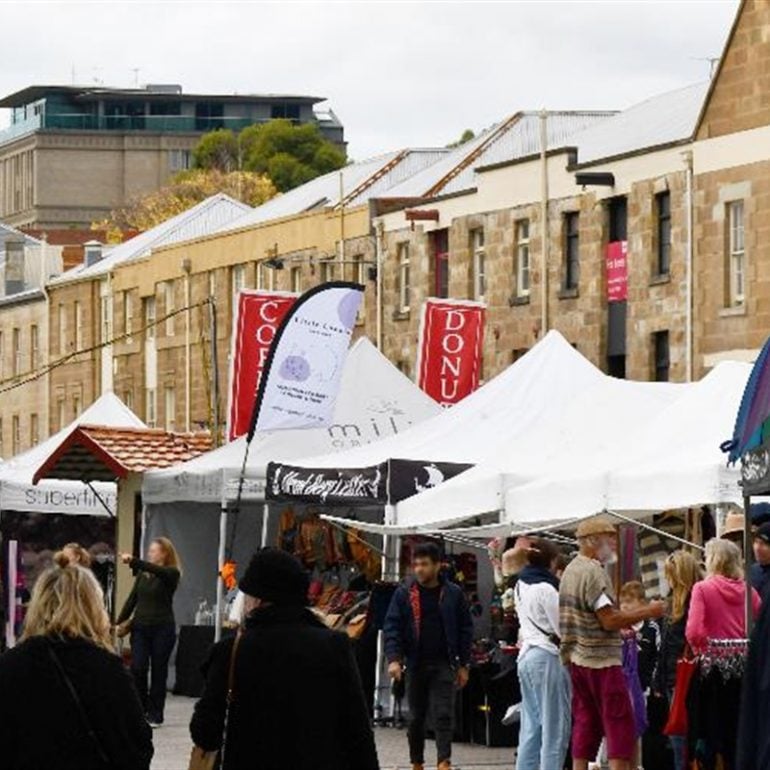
x=397 y=74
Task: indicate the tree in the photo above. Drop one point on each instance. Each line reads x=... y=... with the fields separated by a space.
x=185 y=190
x=289 y=154
x=466 y=136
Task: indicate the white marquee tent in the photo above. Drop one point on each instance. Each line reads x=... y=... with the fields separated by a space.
x=670 y=461
x=512 y=427
x=17 y=492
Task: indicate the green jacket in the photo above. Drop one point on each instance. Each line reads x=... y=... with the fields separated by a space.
x=151 y=601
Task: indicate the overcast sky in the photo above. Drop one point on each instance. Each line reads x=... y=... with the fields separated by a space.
x=396 y=73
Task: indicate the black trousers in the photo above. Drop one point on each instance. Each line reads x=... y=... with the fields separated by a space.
x=151 y=648
x=430 y=689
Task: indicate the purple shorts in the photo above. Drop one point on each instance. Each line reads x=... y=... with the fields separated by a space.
x=601 y=708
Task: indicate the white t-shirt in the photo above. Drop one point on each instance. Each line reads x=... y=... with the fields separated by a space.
x=537 y=605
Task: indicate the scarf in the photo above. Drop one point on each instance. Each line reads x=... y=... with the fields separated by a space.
x=531 y=575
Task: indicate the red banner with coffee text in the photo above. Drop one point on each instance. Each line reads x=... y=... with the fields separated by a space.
x=617 y=271
x=257 y=318
x=450 y=349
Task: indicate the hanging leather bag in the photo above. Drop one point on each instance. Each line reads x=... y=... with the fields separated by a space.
x=686 y=667
x=208 y=760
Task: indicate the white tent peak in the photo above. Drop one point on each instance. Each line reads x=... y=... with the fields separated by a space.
x=375 y=399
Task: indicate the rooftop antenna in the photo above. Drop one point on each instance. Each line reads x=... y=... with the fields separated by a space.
x=135 y=70
x=713 y=61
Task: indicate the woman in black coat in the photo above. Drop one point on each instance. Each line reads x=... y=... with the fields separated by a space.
x=298 y=701
x=66 y=701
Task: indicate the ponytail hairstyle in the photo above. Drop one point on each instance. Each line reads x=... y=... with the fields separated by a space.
x=68 y=603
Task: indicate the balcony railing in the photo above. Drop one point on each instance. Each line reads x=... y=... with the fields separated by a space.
x=150 y=123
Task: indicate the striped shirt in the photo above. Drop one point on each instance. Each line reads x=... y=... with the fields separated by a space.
x=585 y=587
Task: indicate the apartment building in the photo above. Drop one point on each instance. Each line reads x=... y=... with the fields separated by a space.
x=73 y=153
x=26 y=264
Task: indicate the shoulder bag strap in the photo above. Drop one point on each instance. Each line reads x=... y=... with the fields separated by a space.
x=230 y=697
x=78 y=704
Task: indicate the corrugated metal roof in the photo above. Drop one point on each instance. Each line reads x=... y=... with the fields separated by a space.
x=324 y=191
x=522 y=140
x=206 y=217
x=506 y=141
x=661 y=120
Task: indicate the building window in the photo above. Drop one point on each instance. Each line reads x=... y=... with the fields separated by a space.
x=518 y=353
x=15 y=434
x=34 y=347
x=170 y=404
x=571 y=251
x=359 y=276
x=34 y=429
x=296 y=280
x=736 y=255
x=441 y=262
x=663 y=205
x=327 y=270
x=149 y=318
x=479 y=265
x=170 y=299
x=239 y=278
x=62 y=329
x=79 y=326
x=662 y=358
x=106 y=319
x=16 y=362
x=179 y=160
x=128 y=399
x=522 y=258
x=77 y=405
x=128 y=315
x=212 y=283
x=61 y=409
x=151 y=408
x=404 y=286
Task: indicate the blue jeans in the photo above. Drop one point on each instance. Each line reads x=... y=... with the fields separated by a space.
x=151 y=648
x=546 y=711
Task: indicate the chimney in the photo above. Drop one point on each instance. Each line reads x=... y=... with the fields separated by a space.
x=14 y=264
x=93 y=252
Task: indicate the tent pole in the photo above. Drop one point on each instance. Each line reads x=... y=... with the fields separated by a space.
x=265 y=517
x=746 y=561
x=220 y=565
x=378 y=673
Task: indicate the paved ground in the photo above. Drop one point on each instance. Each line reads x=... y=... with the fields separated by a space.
x=172 y=745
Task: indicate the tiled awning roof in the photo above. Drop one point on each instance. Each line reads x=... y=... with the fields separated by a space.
x=97 y=453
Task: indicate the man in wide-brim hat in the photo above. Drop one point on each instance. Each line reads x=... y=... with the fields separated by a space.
x=591 y=647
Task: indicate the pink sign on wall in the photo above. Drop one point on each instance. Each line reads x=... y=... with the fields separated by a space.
x=617 y=271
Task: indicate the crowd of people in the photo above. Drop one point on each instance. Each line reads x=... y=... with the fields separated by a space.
x=285 y=690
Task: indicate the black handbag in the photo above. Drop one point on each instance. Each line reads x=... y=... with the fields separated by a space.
x=78 y=705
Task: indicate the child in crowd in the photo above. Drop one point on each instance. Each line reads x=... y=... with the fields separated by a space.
x=640 y=651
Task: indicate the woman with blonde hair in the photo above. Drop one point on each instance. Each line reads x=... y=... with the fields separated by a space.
x=67 y=701
x=682 y=571
x=149 y=615
x=718 y=613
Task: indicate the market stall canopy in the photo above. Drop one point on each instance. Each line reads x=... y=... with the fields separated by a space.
x=17 y=491
x=98 y=453
x=375 y=400
x=672 y=460
x=520 y=407
x=579 y=433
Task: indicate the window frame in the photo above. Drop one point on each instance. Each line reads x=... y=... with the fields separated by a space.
x=663 y=233
x=34 y=347
x=440 y=243
x=169 y=298
x=151 y=407
x=403 y=253
x=295 y=279
x=661 y=355
x=523 y=254
x=736 y=254
x=169 y=408
x=16 y=350
x=571 y=251
x=78 y=311
x=479 y=257
x=150 y=317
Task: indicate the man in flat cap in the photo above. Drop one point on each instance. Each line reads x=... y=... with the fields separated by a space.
x=591 y=647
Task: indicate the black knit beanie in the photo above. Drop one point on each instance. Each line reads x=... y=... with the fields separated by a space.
x=276 y=577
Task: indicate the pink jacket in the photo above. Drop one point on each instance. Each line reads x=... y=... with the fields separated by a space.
x=717 y=610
